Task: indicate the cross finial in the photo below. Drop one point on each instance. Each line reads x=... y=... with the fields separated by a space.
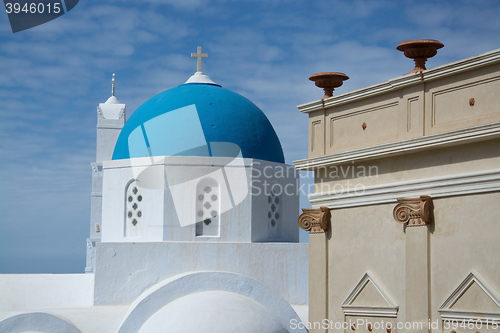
x=199 y=55
x=113 y=85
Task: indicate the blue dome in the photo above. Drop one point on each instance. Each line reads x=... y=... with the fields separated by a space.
x=198 y=119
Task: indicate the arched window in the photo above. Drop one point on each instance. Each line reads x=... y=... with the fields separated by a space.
x=207 y=208
x=274 y=211
x=133 y=211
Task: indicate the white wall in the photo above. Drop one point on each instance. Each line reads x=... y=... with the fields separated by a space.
x=27 y=292
x=169 y=187
x=122 y=273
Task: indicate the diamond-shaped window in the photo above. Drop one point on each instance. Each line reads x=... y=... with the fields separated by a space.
x=134 y=206
x=207 y=189
x=207 y=205
x=135 y=190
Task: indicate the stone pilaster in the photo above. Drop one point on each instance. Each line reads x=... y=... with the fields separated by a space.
x=317 y=221
x=417 y=214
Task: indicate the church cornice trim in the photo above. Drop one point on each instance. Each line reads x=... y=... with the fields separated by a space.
x=99 y=126
x=191 y=161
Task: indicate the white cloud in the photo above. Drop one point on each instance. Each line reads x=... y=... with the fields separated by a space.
x=54 y=75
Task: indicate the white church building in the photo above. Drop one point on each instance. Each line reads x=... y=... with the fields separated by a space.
x=193 y=226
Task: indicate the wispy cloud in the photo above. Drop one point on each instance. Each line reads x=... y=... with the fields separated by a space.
x=54 y=75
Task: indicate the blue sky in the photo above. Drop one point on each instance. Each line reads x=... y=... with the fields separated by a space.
x=53 y=76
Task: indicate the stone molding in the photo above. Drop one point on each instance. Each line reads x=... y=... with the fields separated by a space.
x=108 y=126
x=190 y=161
x=448 y=313
x=438 y=187
x=390 y=310
x=414 y=211
x=456 y=137
x=315 y=220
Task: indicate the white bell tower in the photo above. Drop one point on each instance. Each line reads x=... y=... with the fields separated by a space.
x=110 y=121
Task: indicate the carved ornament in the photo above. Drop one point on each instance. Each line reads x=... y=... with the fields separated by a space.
x=315 y=220
x=99 y=112
x=414 y=211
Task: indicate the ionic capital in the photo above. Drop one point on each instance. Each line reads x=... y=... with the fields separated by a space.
x=414 y=211
x=314 y=220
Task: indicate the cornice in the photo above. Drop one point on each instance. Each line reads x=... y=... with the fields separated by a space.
x=437 y=187
x=476 y=133
x=226 y=162
x=404 y=81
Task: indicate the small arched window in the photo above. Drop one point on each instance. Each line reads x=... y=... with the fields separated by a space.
x=274 y=211
x=207 y=208
x=133 y=209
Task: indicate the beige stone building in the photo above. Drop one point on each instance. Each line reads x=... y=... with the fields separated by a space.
x=408 y=171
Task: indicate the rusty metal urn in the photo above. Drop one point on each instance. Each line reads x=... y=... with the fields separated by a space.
x=420 y=50
x=328 y=81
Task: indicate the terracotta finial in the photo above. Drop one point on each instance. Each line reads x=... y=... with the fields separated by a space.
x=420 y=50
x=328 y=81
